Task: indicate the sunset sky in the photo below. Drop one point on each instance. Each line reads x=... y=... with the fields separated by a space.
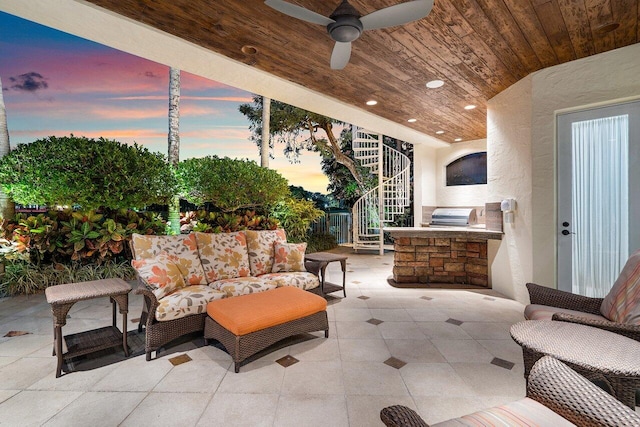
x=56 y=84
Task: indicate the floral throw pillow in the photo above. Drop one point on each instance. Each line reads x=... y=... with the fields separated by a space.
x=162 y=273
x=223 y=255
x=260 y=244
x=182 y=246
x=289 y=257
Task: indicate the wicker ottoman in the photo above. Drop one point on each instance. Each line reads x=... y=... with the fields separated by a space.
x=246 y=324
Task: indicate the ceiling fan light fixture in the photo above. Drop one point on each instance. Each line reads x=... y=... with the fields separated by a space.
x=434 y=84
x=345 y=29
x=372 y=102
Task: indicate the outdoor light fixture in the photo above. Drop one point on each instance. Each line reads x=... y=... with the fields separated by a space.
x=372 y=102
x=412 y=120
x=434 y=84
x=469 y=107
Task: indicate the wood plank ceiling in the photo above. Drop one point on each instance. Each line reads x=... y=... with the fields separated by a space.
x=477 y=47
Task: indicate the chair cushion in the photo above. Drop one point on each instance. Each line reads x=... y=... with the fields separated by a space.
x=545 y=312
x=524 y=412
x=288 y=257
x=223 y=255
x=242 y=286
x=186 y=301
x=183 y=246
x=297 y=279
x=622 y=303
x=161 y=273
x=250 y=313
x=261 y=249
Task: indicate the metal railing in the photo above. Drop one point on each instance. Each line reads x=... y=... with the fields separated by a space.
x=338 y=224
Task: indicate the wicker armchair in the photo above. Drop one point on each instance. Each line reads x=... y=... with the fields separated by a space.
x=560 y=390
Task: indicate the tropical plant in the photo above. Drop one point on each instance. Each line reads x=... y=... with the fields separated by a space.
x=230 y=184
x=221 y=222
x=296 y=216
x=91 y=173
x=318 y=242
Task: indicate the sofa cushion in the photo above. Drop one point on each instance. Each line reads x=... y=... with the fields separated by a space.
x=546 y=312
x=288 y=257
x=622 y=303
x=183 y=246
x=524 y=412
x=299 y=279
x=250 y=313
x=261 y=249
x=161 y=273
x=186 y=301
x=223 y=255
x=242 y=286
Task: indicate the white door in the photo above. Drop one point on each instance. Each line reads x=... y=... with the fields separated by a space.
x=598 y=196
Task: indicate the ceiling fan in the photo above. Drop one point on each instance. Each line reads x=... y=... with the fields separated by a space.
x=346 y=24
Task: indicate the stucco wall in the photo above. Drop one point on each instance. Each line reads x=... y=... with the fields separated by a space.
x=461 y=195
x=521 y=151
x=424 y=189
x=509 y=173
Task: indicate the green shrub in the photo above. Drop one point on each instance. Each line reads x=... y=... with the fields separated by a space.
x=26 y=278
x=91 y=173
x=221 y=222
x=230 y=184
x=86 y=237
x=296 y=216
x=317 y=242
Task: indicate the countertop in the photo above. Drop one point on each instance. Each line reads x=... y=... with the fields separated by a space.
x=474 y=232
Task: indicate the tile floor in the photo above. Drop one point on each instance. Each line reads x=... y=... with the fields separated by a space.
x=442 y=352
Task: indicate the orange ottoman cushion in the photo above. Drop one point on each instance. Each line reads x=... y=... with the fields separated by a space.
x=244 y=314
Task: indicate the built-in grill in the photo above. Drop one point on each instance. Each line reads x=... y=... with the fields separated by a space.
x=453 y=217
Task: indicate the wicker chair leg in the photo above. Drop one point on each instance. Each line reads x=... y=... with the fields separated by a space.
x=236 y=367
x=148 y=355
x=326 y=333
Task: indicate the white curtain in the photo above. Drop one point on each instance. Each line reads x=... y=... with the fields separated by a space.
x=600 y=205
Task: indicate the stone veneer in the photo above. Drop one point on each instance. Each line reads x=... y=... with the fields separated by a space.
x=441 y=260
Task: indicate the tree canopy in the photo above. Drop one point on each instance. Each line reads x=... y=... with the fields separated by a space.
x=91 y=173
x=230 y=184
x=298 y=130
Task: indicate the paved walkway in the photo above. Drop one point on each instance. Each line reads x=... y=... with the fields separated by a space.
x=441 y=352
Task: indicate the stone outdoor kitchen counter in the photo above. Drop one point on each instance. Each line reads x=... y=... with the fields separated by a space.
x=442 y=255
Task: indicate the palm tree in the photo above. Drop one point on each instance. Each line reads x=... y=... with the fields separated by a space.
x=174 y=143
x=7 y=208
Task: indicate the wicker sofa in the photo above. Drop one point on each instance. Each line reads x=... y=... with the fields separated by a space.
x=179 y=275
x=556 y=396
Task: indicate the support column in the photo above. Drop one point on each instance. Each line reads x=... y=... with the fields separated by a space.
x=266 y=135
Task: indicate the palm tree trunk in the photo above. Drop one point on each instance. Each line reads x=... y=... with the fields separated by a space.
x=7 y=207
x=174 y=143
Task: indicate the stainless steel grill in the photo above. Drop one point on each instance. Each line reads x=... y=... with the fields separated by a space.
x=453 y=217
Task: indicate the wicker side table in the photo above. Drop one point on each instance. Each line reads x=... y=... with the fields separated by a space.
x=62 y=298
x=594 y=353
x=324 y=258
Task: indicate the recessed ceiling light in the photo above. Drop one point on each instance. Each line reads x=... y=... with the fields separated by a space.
x=439 y=132
x=412 y=120
x=249 y=50
x=458 y=139
x=469 y=107
x=372 y=102
x=434 y=84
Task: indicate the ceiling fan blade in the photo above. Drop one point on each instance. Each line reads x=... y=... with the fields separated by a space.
x=340 y=56
x=397 y=15
x=298 y=12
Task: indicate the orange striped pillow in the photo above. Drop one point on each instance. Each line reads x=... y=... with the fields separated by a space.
x=622 y=303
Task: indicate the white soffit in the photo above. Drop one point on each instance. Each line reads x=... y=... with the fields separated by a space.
x=102 y=26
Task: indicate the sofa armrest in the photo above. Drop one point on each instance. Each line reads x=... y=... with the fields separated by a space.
x=150 y=301
x=629 y=331
x=555 y=298
x=401 y=416
x=568 y=394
